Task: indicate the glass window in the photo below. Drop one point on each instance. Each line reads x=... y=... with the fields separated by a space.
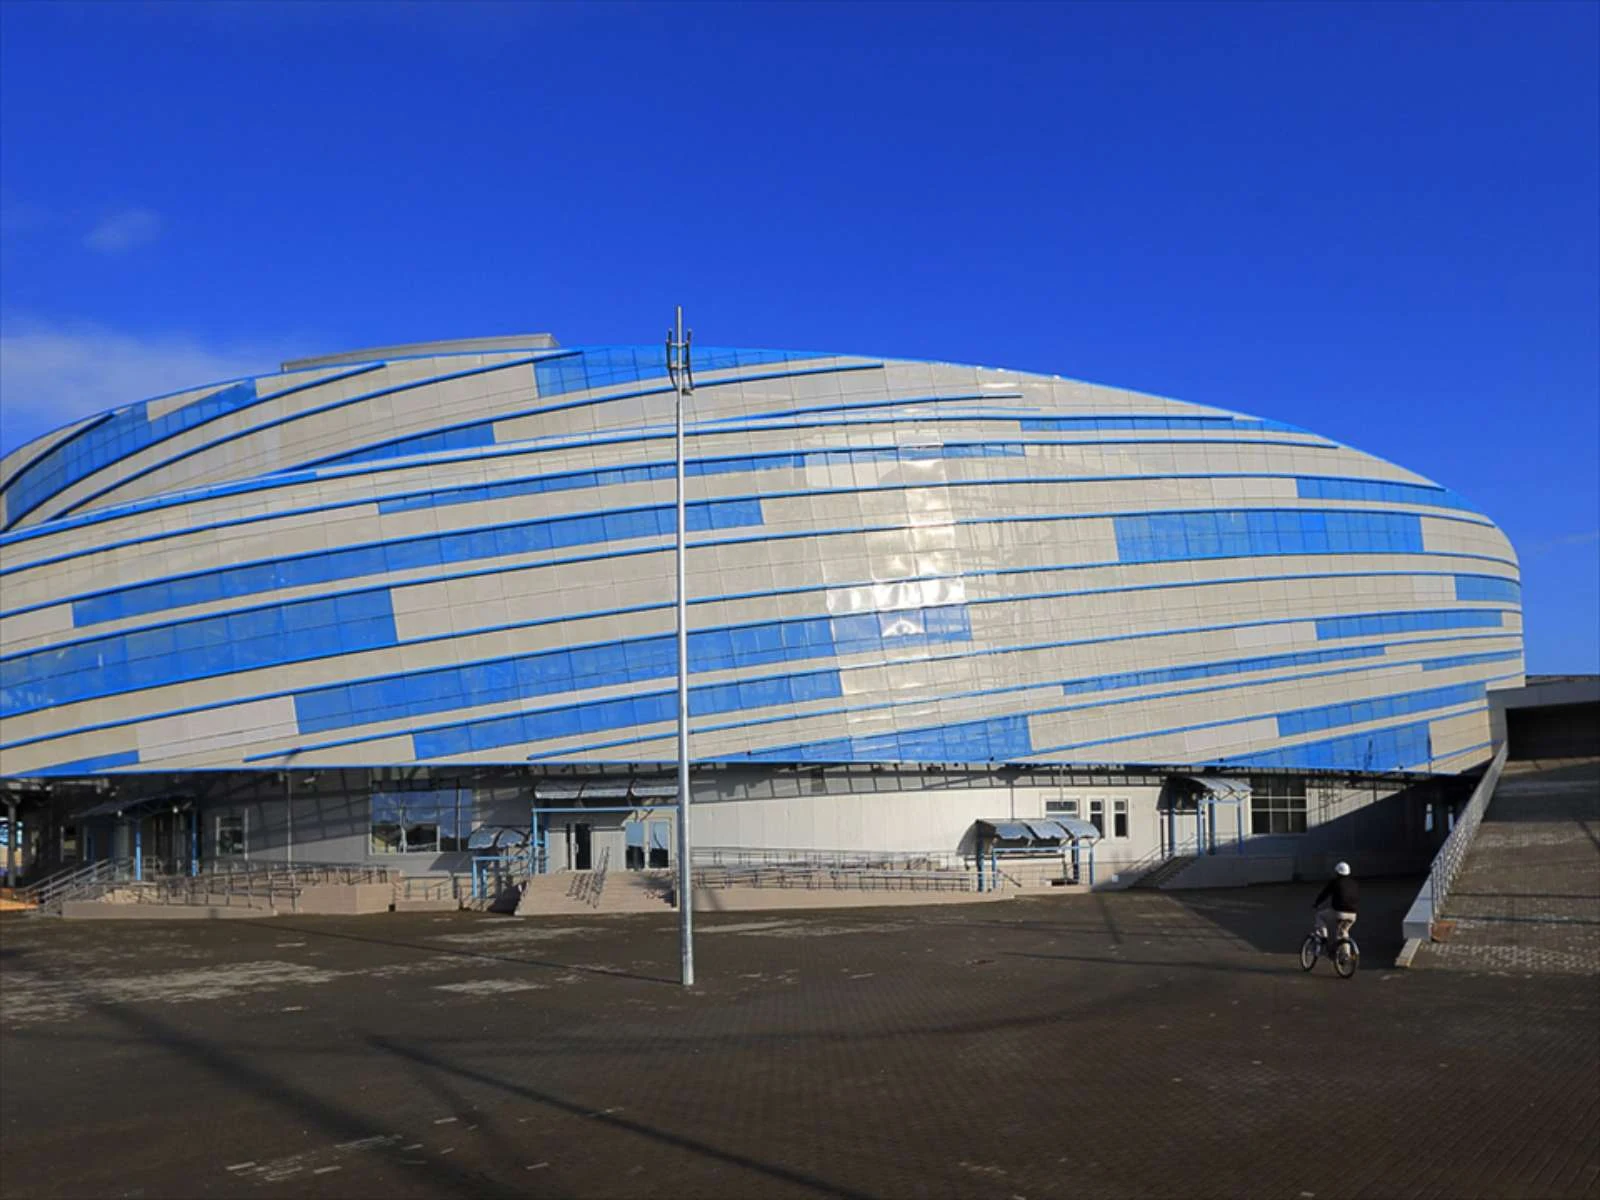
x=1062 y=808
x=430 y=821
x=1119 y=818
x=1277 y=804
x=1097 y=815
x=69 y=843
x=230 y=837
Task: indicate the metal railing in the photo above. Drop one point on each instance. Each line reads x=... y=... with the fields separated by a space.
x=304 y=873
x=817 y=878
x=255 y=890
x=493 y=873
x=892 y=860
x=588 y=886
x=1429 y=904
x=54 y=890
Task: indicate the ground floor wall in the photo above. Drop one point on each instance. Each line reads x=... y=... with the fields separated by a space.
x=419 y=822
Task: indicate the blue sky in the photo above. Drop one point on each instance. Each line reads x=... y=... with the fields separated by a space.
x=1379 y=221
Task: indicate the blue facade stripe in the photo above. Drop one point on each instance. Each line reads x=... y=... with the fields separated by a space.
x=397 y=447
x=856 y=710
x=168 y=461
x=1077 y=424
x=595 y=367
x=457 y=437
x=1371 y=624
x=1488 y=587
x=88 y=766
x=1236 y=666
x=196 y=649
x=1261 y=532
x=1328 y=487
x=1470 y=660
x=124 y=432
x=927 y=627
x=566 y=481
x=290 y=418
x=1379 y=708
x=484 y=542
x=379 y=558
x=572 y=720
x=722 y=465
x=614 y=664
x=1396 y=748
x=993 y=739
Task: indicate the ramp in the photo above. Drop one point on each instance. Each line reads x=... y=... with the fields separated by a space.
x=1527 y=898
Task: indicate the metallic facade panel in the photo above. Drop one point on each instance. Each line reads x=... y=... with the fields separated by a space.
x=463 y=553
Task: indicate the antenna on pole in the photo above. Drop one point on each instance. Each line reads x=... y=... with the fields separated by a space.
x=680 y=370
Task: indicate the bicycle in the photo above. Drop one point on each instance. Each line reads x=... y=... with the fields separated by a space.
x=1346 y=954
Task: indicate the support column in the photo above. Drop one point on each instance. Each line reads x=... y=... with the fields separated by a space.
x=11 y=843
x=194 y=841
x=138 y=849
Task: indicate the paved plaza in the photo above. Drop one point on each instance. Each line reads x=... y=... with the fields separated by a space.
x=1139 y=1043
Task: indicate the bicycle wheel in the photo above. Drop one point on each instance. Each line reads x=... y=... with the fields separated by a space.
x=1308 y=952
x=1345 y=959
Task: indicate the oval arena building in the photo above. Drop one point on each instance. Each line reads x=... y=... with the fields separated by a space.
x=431 y=588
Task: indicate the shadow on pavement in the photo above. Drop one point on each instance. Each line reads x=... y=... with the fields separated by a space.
x=1274 y=918
x=624 y=1124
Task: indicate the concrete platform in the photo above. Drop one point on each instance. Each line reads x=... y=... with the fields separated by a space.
x=101 y=910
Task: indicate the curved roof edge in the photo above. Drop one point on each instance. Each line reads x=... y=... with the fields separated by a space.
x=511 y=341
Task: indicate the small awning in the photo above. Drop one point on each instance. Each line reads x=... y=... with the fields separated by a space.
x=1077 y=828
x=1040 y=831
x=610 y=789
x=1220 y=790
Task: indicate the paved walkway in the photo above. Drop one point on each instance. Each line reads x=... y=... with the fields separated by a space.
x=1528 y=897
x=1147 y=1044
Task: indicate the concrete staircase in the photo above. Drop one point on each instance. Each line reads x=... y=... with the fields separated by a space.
x=584 y=893
x=1164 y=872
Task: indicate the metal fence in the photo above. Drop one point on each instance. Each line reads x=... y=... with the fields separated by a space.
x=1429 y=904
x=839 y=860
x=817 y=878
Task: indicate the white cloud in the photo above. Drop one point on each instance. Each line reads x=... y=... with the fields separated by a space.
x=124 y=231
x=52 y=375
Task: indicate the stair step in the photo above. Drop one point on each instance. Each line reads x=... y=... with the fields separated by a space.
x=1165 y=871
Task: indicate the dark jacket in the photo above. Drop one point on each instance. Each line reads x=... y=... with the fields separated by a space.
x=1344 y=891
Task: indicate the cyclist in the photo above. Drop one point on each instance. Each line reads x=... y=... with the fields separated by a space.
x=1342 y=895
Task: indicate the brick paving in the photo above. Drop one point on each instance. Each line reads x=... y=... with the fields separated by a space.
x=1528 y=895
x=1125 y=1044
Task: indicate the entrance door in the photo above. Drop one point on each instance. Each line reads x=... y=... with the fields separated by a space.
x=660 y=840
x=580 y=849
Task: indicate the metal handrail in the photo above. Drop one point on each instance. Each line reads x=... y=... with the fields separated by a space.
x=813 y=878
x=1430 y=901
x=744 y=856
x=307 y=872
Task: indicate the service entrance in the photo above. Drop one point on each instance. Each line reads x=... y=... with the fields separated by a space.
x=580 y=846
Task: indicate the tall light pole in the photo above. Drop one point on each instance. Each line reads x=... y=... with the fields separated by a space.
x=681 y=372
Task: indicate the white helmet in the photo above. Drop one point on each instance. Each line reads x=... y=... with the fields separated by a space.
x=1342 y=868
